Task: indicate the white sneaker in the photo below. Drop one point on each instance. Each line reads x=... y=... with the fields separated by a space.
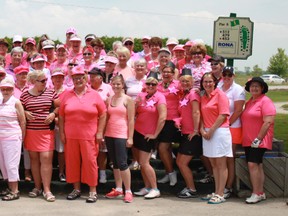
x=255 y=198
x=134 y=165
x=142 y=192
x=153 y=193
x=173 y=178
x=154 y=154
x=103 y=179
x=164 y=180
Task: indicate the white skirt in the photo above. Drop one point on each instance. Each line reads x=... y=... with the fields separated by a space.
x=220 y=145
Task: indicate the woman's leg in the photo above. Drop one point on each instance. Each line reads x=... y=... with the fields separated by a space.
x=46 y=159
x=256 y=177
x=35 y=168
x=165 y=153
x=222 y=174
x=147 y=170
x=183 y=162
x=231 y=168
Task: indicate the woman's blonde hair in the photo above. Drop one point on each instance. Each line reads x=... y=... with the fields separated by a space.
x=123 y=50
x=33 y=75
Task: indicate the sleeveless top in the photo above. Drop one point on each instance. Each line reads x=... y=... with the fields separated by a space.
x=117 y=124
x=9 y=124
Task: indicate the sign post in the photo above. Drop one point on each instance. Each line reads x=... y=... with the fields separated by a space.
x=233 y=37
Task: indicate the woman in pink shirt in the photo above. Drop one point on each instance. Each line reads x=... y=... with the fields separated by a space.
x=119 y=136
x=122 y=67
x=12 y=132
x=82 y=118
x=88 y=56
x=155 y=44
x=151 y=112
x=258 y=130
x=62 y=61
x=217 y=141
x=169 y=88
x=191 y=141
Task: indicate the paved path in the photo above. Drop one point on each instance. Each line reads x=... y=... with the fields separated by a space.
x=167 y=206
x=279 y=108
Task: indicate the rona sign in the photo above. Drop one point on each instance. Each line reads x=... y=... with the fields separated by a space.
x=233 y=37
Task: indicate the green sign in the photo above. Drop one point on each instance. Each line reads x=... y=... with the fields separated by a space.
x=233 y=37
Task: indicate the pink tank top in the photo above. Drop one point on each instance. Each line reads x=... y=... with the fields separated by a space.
x=117 y=124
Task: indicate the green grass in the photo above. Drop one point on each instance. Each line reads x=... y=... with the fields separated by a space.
x=278 y=95
x=280 y=129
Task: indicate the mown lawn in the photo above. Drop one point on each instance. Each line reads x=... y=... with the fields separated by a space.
x=281 y=129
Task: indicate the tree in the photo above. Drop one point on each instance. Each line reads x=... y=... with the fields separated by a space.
x=278 y=63
x=256 y=71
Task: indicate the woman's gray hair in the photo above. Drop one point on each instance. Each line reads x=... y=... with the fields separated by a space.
x=140 y=61
x=17 y=49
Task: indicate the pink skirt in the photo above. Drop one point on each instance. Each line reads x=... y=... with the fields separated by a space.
x=39 y=140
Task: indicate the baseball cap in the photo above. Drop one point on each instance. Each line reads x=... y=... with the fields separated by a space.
x=30 y=40
x=21 y=69
x=47 y=44
x=17 y=38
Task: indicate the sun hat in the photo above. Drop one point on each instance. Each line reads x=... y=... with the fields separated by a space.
x=228 y=69
x=21 y=69
x=111 y=59
x=30 y=40
x=78 y=70
x=172 y=41
x=48 y=44
x=259 y=80
x=71 y=30
x=126 y=39
x=7 y=82
x=96 y=71
x=17 y=38
x=75 y=37
x=4 y=41
x=164 y=49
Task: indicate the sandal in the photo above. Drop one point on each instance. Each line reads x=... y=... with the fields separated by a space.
x=11 y=196
x=92 y=197
x=35 y=193
x=49 y=197
x=5 y=192
x=216 y=199
x=208 y=197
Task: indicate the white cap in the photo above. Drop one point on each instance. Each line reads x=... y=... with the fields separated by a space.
x=17 y=38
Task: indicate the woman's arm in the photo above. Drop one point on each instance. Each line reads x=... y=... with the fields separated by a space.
x=267 y=122
x=219 y=121
x=196 y=118
x=101 y=127
x=61 y=121
x=162 y=111
x=131 y=120
x=21 y=118
x=238 y=108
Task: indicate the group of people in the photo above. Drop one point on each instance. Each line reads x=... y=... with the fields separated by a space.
x=85 y=103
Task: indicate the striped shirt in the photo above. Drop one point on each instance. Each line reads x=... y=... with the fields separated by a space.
x=9 y=124
x=40 y=106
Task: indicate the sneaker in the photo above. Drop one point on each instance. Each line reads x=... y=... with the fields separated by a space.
x=173 y=178
x=164 y=180
x=92 y=198
x=74 y=195
x=154 y=155
x=102 y=178
x=128 y=198
x=187 y=193
x=142 y=192
x=216 y=199
x=255 y=198
x=62 y=177
x=153 y=193
x=114 y=194
x=35 y=193
x=134 y=165
x=207 y=179
x=227 y=193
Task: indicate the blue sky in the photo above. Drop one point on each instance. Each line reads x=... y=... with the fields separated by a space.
x=165 y=18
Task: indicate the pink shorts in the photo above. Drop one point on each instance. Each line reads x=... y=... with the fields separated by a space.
x=39 y=140
x=236 y=134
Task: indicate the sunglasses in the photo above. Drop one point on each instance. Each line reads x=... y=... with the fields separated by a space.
x=73 y=65
x=78 y=78
x=87 y=54
x=227 y=74
x=214 y=64
x=151 y=84
x=42 y=81
x=144 y=42
x=128 y=44
x=196 y=53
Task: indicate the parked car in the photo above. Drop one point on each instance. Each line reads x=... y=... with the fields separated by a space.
x=273 y=79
